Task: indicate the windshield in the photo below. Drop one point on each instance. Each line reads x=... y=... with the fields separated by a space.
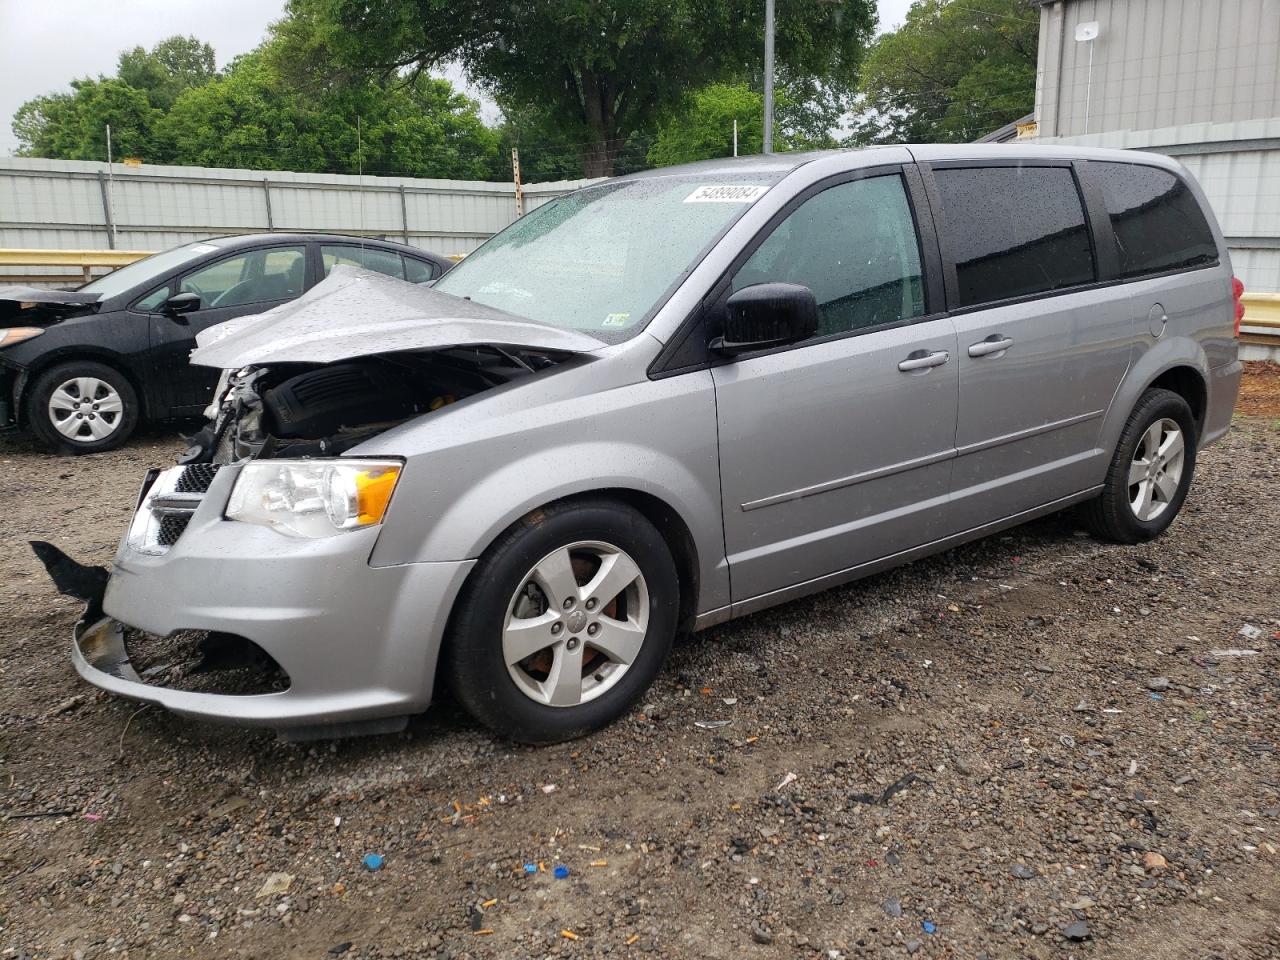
x=604 y=258
x=142 y=271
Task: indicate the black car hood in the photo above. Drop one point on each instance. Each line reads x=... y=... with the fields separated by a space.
x=355 y=312
x=20 y=294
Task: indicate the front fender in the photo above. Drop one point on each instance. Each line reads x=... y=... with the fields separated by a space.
x=653 y=437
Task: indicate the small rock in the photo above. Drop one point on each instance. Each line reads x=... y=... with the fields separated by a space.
x=1042 y=667
x=1022 y=872
x=1158 y=683
x=893 y=907
x=1154 y=861
x=760 y=933
x=1076 y=931
x=913 y=946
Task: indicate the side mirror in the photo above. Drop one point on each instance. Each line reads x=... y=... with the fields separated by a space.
x=766 y=315
x=181 y=303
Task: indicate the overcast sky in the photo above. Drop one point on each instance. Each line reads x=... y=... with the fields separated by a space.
x=44 y=44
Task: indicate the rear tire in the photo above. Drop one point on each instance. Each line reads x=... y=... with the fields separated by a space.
x=1149 y=474
x=81 y=407
x=522 y=654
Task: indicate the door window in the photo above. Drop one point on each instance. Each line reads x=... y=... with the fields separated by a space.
x=256 y=276
x=1013 y=231
x=1158 y=224
x=371 y=258
x=854 y=245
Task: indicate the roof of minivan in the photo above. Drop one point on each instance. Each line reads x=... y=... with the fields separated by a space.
x=783 y=163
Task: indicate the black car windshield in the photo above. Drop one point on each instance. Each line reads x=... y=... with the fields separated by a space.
x=604 y=258
x=147 y=269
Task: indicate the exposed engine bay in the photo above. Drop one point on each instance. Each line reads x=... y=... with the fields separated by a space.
x=315 y=410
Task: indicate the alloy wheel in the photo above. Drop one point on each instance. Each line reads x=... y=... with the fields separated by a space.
x=576 y=624
x=1156 y=470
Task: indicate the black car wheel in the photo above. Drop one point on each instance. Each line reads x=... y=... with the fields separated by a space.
x=1149 y=474
x=565 y=621
x=81 y=407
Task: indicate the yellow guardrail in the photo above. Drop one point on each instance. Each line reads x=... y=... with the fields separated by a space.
x=1262 y=310
x=86 y=260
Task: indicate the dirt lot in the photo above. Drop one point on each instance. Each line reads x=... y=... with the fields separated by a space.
x=1024 y=748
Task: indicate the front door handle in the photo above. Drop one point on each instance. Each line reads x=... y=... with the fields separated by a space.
x=993 y=344
x=920 y=360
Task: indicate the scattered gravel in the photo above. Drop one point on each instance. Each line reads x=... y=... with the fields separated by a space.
x=981 y=767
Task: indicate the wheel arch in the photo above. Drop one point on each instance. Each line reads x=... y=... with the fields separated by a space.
x=1178 y=364
x=28 y=375
x=665 y=518
x=1186 y=381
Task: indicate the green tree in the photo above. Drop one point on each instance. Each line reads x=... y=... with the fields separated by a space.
x=601 y=73
x=251 y=117
x=704 y=128
x=72 y=126
x=170 y=67
x=952 y=72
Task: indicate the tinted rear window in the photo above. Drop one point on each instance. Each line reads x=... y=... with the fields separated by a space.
x=1158 y=224
x=1013 y=231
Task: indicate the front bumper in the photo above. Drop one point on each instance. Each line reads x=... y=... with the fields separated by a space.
x=358 y=642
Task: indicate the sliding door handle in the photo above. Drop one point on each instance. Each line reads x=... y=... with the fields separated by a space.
x=993 y=344
x=920 y=360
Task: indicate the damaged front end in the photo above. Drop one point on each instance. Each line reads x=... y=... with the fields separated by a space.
x=26 y=313
x=250 y=558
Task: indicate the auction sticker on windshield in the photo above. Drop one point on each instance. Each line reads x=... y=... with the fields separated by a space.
x=725 y=193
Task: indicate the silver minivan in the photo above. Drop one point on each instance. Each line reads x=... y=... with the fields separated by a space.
x=655 y=404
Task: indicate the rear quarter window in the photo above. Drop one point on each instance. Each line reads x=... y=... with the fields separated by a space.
x=1013 y=231
x=1158 y=224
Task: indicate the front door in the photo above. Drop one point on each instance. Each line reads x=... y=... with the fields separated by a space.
x=1041 y=354
x=837 y=451
x=248 y=282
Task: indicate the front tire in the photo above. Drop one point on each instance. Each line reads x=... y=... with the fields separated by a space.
x=82 y=407
x=1150 y=471
x=564 y=622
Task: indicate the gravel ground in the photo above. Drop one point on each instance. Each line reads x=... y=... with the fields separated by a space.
x=1027 y=747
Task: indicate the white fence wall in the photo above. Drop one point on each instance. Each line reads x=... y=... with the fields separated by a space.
x=71 y=204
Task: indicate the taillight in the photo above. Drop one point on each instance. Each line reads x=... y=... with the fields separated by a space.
x=1237 y=295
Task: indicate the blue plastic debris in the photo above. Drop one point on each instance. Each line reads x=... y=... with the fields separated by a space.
x=373 y=861
x=928 y=926
x=561 y=871
x=530 y=868
x=1155 y=696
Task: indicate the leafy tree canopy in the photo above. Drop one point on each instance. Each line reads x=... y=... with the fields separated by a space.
x=170 y=67
x=952 y=73
x=598 y=74
x=266 y=110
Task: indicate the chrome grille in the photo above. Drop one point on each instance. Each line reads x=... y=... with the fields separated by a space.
x=167 y=507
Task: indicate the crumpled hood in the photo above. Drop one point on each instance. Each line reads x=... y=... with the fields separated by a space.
x=355 y=312
x=20 y=294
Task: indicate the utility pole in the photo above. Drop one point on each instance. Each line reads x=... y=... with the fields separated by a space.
x=111 y=191
x=515 y=173
x=768 y=76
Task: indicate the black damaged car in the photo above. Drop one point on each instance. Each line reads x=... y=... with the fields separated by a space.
x=81 y=369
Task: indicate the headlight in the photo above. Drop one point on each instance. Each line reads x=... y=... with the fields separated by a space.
x=11 y=335
x=313 y=498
